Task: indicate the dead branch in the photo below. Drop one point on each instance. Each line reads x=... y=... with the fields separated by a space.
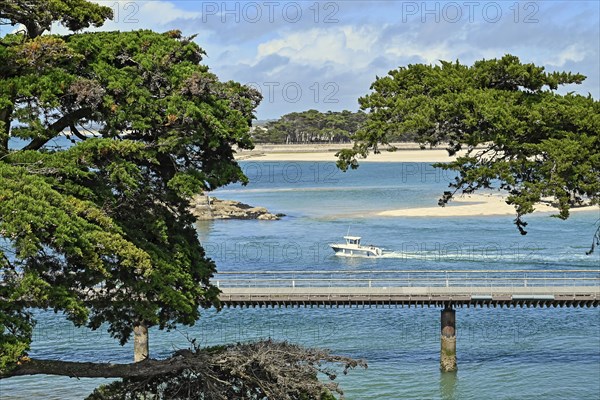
x=267 y=369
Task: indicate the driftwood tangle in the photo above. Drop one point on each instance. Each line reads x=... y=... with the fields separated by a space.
x=274 y=370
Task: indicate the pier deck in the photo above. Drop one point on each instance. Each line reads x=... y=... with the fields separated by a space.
x=529 y=288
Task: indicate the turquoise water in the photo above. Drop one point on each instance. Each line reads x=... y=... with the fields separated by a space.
x=502 y=353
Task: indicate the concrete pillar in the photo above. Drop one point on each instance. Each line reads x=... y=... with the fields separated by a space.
x=448 y=340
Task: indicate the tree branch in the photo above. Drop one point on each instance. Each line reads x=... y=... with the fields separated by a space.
x=147 y=368
x=595 y=240
x=58 y=127
x=76 y=132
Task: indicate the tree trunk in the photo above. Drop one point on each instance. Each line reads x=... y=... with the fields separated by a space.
x=141 y=350
x=5 y=116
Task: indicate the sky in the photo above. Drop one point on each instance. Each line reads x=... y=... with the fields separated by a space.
x=324 y=55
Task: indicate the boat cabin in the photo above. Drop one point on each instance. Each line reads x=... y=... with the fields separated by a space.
x=353 y=240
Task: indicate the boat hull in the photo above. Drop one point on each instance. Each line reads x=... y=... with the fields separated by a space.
x=362 y=251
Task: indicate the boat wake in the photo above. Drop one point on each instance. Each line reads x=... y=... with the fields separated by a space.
x=356 y=256
x=573 y=261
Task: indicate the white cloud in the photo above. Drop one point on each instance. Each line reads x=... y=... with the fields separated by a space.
x=411 y=49
x=344 y=47
x=360 y=38
x=574 y=52
x=146 y=13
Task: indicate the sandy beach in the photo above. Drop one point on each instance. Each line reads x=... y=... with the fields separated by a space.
x=474 y=205
x=407 y=152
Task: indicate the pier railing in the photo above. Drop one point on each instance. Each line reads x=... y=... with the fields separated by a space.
x=409 y=278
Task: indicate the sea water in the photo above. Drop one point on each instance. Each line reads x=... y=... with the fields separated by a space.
x=502 y=353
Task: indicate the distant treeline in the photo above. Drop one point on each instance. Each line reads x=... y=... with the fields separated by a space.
x=313 y=126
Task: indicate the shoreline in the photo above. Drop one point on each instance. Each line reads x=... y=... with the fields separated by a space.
x=474 y=205
x=406 y=152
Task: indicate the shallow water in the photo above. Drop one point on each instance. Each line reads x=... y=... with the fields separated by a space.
x=502 y=353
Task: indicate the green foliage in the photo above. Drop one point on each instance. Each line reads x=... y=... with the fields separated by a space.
x=517 y=133
x=37 y=16
x=311 y=126
x=101 y=231
x=16 y=324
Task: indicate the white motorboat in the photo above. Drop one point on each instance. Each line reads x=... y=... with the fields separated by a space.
x=353 y=248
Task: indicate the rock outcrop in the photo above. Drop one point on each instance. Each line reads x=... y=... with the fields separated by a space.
x=208 y=208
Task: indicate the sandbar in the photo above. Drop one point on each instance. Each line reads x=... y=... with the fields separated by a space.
x=474 y=205
x=407 y=152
